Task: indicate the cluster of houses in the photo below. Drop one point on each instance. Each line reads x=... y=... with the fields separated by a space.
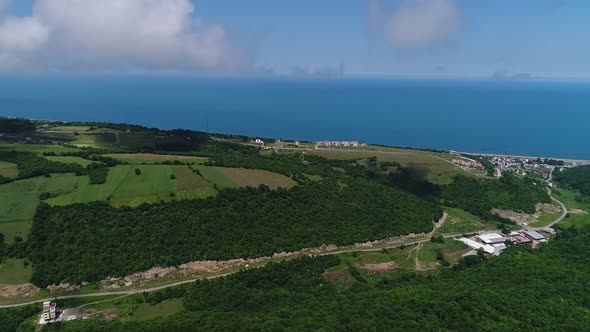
x=494 y=243
x=522 y=165
x=333 y=144
x=468 y=164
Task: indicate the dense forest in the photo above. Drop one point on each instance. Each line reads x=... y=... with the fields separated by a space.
x=577 y=178
x=87 y=242
x=522 y=290
x=11 y=125
x=480 y=196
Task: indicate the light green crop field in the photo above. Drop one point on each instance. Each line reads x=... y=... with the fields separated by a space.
x=439 y=170
x=147 y=158
x=13 y=271
x=154 y=184
x=12 y=229
x=165 y=308
x=8 y=170
x=19 y=199
x=71 y=159
x=214 y=175
x=461 y=222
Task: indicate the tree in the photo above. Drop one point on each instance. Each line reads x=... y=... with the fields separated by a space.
x=137 y=171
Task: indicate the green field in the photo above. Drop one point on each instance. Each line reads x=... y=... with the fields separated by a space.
x=8 y=170
x=72 y=129
x=13 y=271
x=71 y=159
x=149 y=158
x=19 y=199
x=569 y=199
x=12 y=229
x=547 y=218
x=436 y=165
x=165 y=308
x=35 y=148
x=460 y=222
x=154 y=184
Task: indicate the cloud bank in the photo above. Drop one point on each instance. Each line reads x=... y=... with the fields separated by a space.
x=415 y=23
x=114 y=35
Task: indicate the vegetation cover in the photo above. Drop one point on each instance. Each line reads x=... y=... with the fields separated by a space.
x=87 y=242
x=480 y=196
x=577 y=178
x=11 y=125
x=522 y=290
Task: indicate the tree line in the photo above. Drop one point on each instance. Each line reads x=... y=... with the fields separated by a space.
x=521 y=290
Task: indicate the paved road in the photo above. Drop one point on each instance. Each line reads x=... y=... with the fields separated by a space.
x=564 y=211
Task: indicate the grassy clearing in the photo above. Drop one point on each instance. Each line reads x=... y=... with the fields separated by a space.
x=12 y=229
x=438 y=171
x=147 y=158
x=13 y=271
x=70 y=159
x=574 y=201
x=19 y=199
x=460 y=222
x=8 y=170
x=547 y=218
x=254 y=177
x=165 y=308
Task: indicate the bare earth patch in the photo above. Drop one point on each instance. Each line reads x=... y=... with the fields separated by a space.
x=576 y=211
x=336 y=276
x=21 y=290
x=521 y=218
x=381 y=267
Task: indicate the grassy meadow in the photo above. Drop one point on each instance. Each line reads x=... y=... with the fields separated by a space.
x=150 y=158
x=13 y=271
x=13 y=229
x=71 y=159
x=461 y=222
x=19 y=199
x=8 y=170
x=436 y=165
x=580 y=216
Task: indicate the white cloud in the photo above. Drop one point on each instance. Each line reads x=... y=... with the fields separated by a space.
x=115 y=34
x=416 y=23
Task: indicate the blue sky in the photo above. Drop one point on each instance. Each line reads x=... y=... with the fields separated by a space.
x=422 y=38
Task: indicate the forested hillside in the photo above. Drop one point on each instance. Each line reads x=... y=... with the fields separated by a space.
x=522 y=290
x=480 y=196
x=89 y=242
x=577 y=178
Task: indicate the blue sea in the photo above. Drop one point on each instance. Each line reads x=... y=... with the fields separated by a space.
x=525 y=118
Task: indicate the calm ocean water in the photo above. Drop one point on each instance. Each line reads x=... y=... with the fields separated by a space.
x=529 y=118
